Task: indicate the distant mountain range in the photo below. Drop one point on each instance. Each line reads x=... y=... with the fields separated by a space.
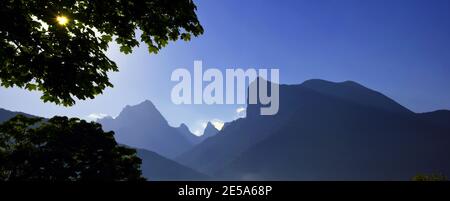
x=209 y=131
x=154 y=166
x=143 y=126
x=327 y=131
x=158 y=168
x=323 y=131
x=5 y=115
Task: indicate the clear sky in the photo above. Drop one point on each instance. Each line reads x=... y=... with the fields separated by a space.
x=398 y=47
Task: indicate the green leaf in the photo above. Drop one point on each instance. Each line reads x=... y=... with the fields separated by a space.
x=31 y=87
x=68 y=61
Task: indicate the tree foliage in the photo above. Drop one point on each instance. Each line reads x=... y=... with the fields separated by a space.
x=63 y=149
x=430 y=177
x=68 y=62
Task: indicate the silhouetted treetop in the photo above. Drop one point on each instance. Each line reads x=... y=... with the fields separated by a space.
x=63 y=149
x=58 y=47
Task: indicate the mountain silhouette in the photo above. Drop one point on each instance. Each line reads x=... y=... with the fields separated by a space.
x=5 y=115
x=440 y=117
x=158 y=168
x=184 y=130
x=353 y=92
x=154 y=166
x=209 y=131
x=143 y=126
x=327 y=131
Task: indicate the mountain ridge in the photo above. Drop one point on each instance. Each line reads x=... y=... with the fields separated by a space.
x=323 y=131
x=310 y=118
x=143 y=126
x=158 y=168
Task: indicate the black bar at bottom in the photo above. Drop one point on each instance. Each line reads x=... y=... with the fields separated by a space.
x=221 y=190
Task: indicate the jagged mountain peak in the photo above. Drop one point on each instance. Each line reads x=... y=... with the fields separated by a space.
x=145 y=105
x=183 y=126
x=143 y=126
x=144 y=111
x=210 y=130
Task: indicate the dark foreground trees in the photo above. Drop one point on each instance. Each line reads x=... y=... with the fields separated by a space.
x=430 y=177
x=58 y=46
x=62 y=149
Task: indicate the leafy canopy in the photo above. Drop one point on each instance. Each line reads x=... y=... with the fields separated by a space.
x=430 y=177
x=58 y=47
x=63 y=149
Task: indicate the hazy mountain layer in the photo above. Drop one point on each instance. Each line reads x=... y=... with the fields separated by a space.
x=327 y=131
x=158 y=168
x=209 y=131
x=5 y=115
x=143 y=126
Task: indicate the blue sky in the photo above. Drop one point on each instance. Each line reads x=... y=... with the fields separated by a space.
x=398 y=47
